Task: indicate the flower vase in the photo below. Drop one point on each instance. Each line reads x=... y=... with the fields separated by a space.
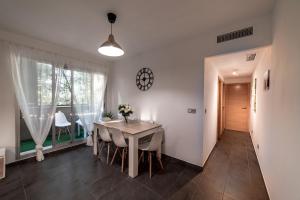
x=126 y=121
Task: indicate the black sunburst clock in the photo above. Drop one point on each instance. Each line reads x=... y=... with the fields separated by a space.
x=144 y=79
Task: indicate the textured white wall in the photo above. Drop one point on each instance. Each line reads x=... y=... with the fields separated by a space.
x=179 y=84
x=276 y=123
x=210 y=119
x=7 y=107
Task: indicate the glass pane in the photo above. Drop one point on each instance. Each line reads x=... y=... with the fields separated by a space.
x=38 y=93
x=26 y=142
x=82 y=87
x=98 y=93
x=44 y=84
x=63 y=115
x=64 y=98
x=82 y=98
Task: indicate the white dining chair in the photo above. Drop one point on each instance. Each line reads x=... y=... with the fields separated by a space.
x=105 y=139
x=147 y=138
x=153 y=146
x=119 y=141
x=62 y=123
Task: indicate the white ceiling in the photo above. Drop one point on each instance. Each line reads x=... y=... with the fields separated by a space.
x=141 y=24
x=227 y=63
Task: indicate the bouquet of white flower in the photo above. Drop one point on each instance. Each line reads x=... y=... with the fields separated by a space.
x=125 y=110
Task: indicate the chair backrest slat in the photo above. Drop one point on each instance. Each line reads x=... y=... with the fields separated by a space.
x=60 y=118
x=156 y=140
x=104 y=134
x=118 y=137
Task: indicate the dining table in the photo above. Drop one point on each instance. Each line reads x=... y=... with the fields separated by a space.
x=133 y=130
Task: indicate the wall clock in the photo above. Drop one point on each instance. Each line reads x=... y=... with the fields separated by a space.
x=144 y=79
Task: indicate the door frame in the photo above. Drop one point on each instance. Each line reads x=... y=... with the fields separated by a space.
x=220 y=121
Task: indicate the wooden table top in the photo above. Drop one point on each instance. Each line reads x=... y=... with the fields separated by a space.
x=132 y=127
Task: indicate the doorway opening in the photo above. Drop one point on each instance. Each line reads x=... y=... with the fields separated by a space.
x=227 y=94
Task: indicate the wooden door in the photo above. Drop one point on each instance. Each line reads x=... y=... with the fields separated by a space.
x=237 y=103
x=220 y=108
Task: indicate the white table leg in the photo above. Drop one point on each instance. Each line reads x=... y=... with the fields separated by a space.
x=78 y=129
x=133 y=156
x=95 y=142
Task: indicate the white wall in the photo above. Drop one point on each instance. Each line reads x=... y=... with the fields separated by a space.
x=210 y=125
x=7 y=107
x=276 y=123
x=179 y=84
x=7 y=99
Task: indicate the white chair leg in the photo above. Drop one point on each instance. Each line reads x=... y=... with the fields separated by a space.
x=69 y=131
x=150 y=164
x=113 y=158
x=123 y=158
x=59 y=131
x=160 y=163
x=141 y=156
x=108 y=146
x=100 y=146
x=126 y=152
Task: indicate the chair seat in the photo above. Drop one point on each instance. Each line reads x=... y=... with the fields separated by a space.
x=79 y=122
x=106 y=140
x=63 y=124
x=144 y=146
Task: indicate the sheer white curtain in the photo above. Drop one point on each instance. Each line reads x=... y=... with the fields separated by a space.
x=89 y=89
x=33 y=74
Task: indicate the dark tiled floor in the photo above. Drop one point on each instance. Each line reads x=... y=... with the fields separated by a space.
x=232 y=172
x=76 y=174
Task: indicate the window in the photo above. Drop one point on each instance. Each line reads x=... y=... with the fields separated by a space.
x=44 y=91
x=85 y=85
x=65 y=92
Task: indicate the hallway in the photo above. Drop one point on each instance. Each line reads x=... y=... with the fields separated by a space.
x=231 y=173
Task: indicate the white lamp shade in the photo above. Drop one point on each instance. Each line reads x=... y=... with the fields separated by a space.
x=111 y=48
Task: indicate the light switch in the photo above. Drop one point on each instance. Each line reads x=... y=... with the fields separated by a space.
x=191 y=110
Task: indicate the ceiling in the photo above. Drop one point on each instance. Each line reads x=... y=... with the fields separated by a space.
x=141 y=25
x=227 y=63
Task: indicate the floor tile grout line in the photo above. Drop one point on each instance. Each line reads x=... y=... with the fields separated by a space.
x=145 y=185
x=111 y=189
x=22 y=182
x=178 y=176
x=248 y=162
x=227 y=176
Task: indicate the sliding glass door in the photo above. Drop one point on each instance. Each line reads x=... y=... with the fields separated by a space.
x=67 y=126
x=63 y=120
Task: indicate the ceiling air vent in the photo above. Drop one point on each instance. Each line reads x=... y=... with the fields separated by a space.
x=250 y=57
x=235 y=34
